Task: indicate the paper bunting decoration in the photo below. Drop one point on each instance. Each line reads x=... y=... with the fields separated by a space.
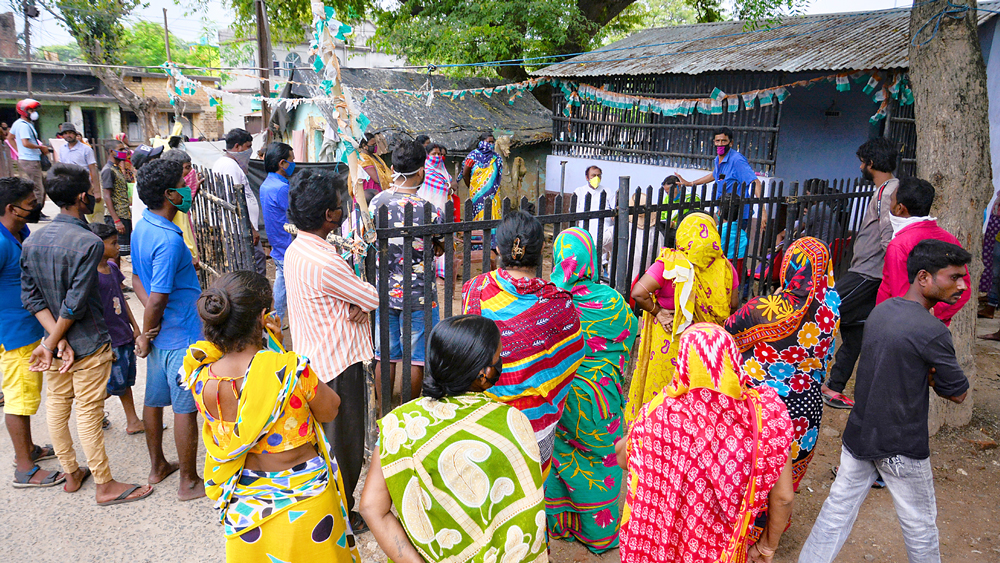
x=843 y=83
x=872 y=84
x=766 y=97
x=748 y=100
x=717 y=95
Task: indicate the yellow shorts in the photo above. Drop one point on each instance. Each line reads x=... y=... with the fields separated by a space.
x=22 y=388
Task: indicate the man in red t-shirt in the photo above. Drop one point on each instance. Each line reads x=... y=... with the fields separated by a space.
x=909 y=208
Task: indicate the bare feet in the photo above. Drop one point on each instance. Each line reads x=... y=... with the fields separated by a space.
x=111 y=490
x=76 y=479
x=135 y=428
x=191 y=491
x=160 y=473
x=994 y=336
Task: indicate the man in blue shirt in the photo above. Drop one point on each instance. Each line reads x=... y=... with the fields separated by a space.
x=20 y=334
x=165 y=281
x=279 y=163
x=731 y=170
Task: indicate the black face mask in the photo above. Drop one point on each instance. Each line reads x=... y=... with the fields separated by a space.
x=35 y=215
x=91 y=204
x=499 y=369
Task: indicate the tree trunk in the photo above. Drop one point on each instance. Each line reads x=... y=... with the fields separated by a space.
x=953 y=153
x=144 y=108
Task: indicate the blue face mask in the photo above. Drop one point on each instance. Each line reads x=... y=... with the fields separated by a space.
x=290 y=170
x=185 y=204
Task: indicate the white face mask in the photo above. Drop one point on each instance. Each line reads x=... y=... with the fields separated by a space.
x=34 y=116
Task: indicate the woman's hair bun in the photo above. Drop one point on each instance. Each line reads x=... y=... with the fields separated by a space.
x=214 y=306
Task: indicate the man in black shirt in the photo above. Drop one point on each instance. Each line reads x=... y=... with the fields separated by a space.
x=904 y=350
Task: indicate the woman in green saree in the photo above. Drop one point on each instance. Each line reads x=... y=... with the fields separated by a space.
x=581 y=492
x=463 y=470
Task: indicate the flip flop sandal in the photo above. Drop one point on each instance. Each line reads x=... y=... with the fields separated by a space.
x=40 y=453
x=2 y=400
x=106 y=423
x=123 y=498
x=22 y=479
x=838 y=401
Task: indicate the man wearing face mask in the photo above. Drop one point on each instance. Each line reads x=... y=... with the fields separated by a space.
x=234 y=164
x=80 y=154
x=595 y=188
x=328 y=310
x=731 y=170
x=118 y=209
x=279 y=163
x=858 y=288
x=29 y=148
x=909 y=206
x=165 y=281
x=20 y=334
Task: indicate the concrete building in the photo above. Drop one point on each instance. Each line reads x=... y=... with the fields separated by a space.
x=241 y=111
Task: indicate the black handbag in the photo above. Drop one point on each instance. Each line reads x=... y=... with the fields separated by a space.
x=44 y=162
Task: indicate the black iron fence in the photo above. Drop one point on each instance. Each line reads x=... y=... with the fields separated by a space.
x=220 y=224
x=639 y=221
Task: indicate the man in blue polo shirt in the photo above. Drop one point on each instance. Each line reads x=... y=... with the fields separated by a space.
x=165 y=281
x=20 y=334
x=731 y=170
x=279 y=163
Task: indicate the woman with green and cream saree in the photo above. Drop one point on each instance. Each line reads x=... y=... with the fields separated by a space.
x=462 y=470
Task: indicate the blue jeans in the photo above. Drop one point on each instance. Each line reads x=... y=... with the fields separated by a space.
x=911 y=484
x=417 y=332
x=280 y=300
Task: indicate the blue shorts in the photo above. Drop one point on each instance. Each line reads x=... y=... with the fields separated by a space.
x=163 y=381
x=417 y=331
x=122 y=370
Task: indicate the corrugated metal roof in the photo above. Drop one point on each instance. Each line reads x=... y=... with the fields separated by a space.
x=456 y=124
x=849 y=41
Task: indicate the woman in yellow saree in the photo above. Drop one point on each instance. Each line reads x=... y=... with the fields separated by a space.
x=277 y=489
x=693 y=283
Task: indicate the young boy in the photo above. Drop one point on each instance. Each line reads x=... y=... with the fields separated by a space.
x=121 y=325
x=408 y=162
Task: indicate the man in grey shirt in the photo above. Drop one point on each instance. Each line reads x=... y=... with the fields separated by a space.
x=858 y=288
x=905 y=351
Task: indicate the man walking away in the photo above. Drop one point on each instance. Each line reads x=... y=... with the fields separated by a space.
x=858 y=288
x=165 y=281
x=328 y=310
x=29 y=148
x=75 y=152
x=905 y=350
x=59 y=287
x=20 y=334
x=234 y=164
x=279 y=163
x=910 y=205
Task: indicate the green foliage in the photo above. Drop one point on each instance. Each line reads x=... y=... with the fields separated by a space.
x=647 y=14
x=144 y=46
x=757 y=14
x=290 y=20
x=66 y=53
x=96 y=25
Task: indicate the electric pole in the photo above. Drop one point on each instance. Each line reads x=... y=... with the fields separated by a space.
x=30 y=11
x=264 y=65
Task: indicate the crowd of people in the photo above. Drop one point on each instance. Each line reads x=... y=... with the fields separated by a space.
x=522 y=428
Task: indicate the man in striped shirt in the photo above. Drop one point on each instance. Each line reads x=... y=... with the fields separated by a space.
x=328 y=310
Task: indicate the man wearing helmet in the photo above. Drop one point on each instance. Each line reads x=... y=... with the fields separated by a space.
x=29 y=148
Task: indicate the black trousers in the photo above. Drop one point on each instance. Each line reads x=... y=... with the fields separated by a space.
x=346 y=433
x=857 y=299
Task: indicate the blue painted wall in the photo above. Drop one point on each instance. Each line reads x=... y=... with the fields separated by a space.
x=812 y=145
